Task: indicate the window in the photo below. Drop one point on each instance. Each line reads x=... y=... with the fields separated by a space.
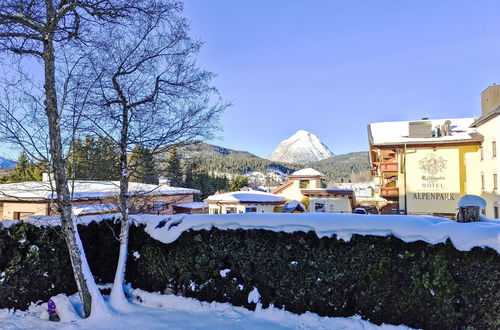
x=250 y=209
x=230 y=210
x=215 y=211
x=495 y=183
x=319 y=207
x=495 y=212
x=494 y=147
x=482 y=181
x=481 y=152
x=158 y=206
x=304 y=184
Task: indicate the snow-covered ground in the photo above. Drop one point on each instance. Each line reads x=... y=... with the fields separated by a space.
x=157 y=311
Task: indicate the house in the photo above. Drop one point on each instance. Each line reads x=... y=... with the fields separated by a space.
x=420 y=166
x=484 y=166
x=244 y=202
x=191 y=208
x=308 y=186
x=21 y=200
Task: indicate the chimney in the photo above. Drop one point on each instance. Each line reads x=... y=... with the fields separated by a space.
x=45 y=177
x=490 y=99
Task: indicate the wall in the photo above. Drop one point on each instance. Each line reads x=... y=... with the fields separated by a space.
x=487 y=166
x=37 y=208
x=435 y=179
x=333 y=204
x=240 y=208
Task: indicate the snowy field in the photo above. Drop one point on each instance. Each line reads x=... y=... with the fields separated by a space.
x=173 y=312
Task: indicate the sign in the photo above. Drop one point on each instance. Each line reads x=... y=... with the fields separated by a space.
x=432 y=180
x=158 y=206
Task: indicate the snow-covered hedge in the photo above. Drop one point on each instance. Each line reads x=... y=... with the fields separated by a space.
x=378 y=276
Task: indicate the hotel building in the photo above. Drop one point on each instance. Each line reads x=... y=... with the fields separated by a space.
x=425 y=166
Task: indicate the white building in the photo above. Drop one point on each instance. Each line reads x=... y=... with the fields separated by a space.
x=243 y=202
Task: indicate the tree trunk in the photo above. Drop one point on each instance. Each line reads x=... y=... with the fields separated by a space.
x=117 y=297
x=84 y=280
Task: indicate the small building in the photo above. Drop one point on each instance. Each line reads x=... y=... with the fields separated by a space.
x=308 y=186
x=191 y=208
x=243 y=202
x=20 y=200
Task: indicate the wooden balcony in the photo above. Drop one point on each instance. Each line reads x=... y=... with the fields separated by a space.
x=389 y=167
x=389 y=191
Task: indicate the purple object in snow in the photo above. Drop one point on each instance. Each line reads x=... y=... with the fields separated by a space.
x=51 y=306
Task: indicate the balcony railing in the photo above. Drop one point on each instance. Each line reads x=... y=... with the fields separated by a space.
x=389 y=167
x=389 y=191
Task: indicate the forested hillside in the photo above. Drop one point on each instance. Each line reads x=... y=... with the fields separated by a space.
x=339 y=168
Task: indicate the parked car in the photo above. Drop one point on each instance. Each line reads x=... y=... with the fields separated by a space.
x=359 y=210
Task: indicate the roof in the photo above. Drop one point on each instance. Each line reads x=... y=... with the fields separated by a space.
x=396 y=132
x=282 y=187
x=484 y=118
x=85 y=190
x=245 y=197
x=192 y=206
x=94 y=209
x=306 y=172
x=293 y=206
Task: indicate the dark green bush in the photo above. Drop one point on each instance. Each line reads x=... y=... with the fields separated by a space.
x=381 y=278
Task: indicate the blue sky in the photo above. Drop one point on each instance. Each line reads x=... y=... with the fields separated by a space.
x=332 y=67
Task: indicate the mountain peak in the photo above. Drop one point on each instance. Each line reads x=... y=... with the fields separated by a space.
x=302 y=147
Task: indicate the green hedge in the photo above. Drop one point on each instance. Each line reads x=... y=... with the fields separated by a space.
x=381 y=278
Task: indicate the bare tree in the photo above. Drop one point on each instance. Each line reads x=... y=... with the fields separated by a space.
x=42 y=30
x=148 y=91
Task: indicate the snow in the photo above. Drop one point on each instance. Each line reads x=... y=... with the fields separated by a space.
x=398 y=131
x=254 y=296
x=85 y=190
x=472 y=200
x=136 y=255
x=65 y=309
x=223 y=273
x=433 y=230
x=94 y=208
x=155 y=311
x=307 y=172
x=303 y=147
x=193 y=205
x=246 y=197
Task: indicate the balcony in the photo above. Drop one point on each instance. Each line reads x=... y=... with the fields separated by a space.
x=389 y=167
x=389 y=191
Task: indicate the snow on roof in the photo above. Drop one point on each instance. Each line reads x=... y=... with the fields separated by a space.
x=94 y=208
x=193 y=205
x=246 y=197
x=84 y=190
x=433 y=230
x=398 y=131
x=308 y=171
x=292 y=206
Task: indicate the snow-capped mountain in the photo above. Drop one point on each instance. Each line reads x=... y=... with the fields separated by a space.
x=6 y=162
x=303 y=147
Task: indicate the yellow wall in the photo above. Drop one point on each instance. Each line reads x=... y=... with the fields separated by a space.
x=9 y=209
x=435 y=179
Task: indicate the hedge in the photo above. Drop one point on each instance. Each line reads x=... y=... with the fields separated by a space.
x=383 y=279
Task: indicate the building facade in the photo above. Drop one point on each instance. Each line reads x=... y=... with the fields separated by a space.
x=425 y=166
x=485 y=164
x=244 y=202
x=308 y=186
x=19 y=201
